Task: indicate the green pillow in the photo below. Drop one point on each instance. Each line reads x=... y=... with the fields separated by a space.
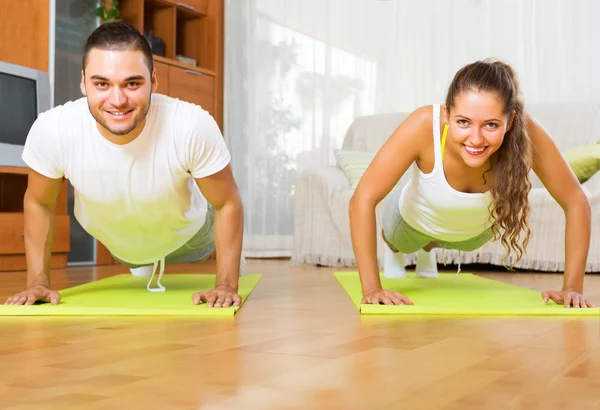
x=354 y=164
x=584 y=160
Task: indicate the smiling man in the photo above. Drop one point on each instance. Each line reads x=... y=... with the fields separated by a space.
x=152 y=174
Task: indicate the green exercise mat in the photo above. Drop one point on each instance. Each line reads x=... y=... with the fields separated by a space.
x=463 y=294
x=127 y=295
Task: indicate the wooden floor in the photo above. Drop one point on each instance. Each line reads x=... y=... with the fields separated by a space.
x=298 y=343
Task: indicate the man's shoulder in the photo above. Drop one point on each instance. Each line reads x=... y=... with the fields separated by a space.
x=180 y=109
x=70 y=107
x=70 y=111
x=62 y=117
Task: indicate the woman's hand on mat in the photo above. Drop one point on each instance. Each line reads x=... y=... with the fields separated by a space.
x=386 y=297
x=568 y=298
x=36 y=293
x=221 y=296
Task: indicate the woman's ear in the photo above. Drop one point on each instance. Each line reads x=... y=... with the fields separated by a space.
x=510 y=120
x=446 y=115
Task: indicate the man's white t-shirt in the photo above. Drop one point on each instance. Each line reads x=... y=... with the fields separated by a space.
x=139 y=199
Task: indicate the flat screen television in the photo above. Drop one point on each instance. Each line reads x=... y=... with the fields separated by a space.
x=24 y=94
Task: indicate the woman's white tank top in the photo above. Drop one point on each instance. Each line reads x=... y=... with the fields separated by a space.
x=430 y=205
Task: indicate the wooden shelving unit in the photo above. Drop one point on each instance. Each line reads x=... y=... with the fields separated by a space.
x=191 y=28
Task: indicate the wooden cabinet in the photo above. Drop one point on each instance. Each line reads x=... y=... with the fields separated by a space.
x=193 y=86
x=12 y=236
x=162 y=75
x=187 y=84
x=24 y=33
x=13 y=184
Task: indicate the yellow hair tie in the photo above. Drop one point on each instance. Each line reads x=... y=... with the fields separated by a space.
x=444 y=139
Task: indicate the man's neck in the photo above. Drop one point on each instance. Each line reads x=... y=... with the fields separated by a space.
x=121 y=139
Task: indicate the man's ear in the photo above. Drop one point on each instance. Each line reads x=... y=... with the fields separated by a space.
x=82 y=84
x=154 y=80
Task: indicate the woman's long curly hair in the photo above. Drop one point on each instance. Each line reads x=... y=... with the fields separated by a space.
x=512 y=162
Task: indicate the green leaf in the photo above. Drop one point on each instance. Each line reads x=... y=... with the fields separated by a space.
x=100 y=12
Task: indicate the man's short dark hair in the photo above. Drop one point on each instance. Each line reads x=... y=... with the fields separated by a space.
x=118 y=36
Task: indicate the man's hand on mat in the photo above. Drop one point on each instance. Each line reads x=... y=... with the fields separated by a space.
x=568 y=298
x=36 y=293
x=221 y=296
x=386 y=297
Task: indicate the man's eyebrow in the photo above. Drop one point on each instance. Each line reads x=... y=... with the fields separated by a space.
x=132 y=78
x=98 y=77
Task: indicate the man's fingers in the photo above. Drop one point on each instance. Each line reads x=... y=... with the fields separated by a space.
x=47 y=297
x=217 y=299
x=33 y=295
x=199 y=297
x=211 y=299
x=220 y=300
x=15 y=300
x=228 y=300
x=51 y=297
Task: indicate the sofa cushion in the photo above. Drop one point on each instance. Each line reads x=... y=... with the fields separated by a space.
x=584 y=160
x=354 y=164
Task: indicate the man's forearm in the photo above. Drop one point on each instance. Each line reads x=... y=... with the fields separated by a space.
x=577 y=242
x=229 y=227
x=39 y=237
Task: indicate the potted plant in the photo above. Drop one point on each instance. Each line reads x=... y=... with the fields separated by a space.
x=108 y=11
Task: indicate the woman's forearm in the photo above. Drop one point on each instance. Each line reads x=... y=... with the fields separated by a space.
x=364 y=242
x=577 y=241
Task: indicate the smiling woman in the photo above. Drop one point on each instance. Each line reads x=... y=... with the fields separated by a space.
x=470 y=185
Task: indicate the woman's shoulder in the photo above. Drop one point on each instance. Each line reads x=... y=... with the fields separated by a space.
x=421 y=120
x=424 y=113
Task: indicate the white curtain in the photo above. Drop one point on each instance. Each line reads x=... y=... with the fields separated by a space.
x=297 y=72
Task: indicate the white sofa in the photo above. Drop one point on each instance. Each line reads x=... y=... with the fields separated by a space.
x=322 y=195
